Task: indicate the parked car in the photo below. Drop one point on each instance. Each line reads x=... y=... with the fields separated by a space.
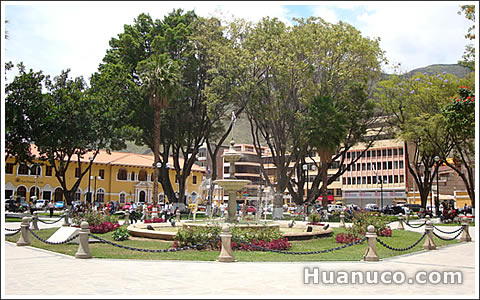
x=126 y=206
x=40 y=204
x=413 y=207
x=251 y=209
x=392 y=210
x=59 y=205
x=75 y=203
x=371 y=207
x=334 y=208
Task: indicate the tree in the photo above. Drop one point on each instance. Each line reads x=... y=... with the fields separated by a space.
x=469 y=54
x=413 y=106
x=325 y=132
x=159 y=75
x=64 y=123
x=459 y=117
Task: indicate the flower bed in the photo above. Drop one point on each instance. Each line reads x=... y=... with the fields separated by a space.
x=154 y=220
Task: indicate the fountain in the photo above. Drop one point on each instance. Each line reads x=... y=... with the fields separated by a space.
x=231 y=185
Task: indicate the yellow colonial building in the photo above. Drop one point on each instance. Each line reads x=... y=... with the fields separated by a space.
x=120 y=177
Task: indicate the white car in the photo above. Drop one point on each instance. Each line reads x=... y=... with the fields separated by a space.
x=334 y=208
x=41 y=203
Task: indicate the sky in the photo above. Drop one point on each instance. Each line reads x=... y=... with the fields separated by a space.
x=53 y=36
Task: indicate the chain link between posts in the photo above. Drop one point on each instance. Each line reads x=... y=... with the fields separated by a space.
x=45 y=222
x=416 y=226
x=450 y=239
x=198 y=246
x=53 y=243
x=13 y=233
x=401 y=249
x=446 y=232
x=299 y=253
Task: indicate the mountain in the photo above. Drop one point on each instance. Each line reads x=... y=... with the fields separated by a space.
x=454 y=69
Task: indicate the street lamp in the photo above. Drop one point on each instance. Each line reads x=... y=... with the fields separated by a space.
x=381 y=185
x=437 y=159
x=89 y=198
x=95 y=189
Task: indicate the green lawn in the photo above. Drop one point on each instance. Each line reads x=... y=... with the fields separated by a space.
x=399 y=239
x=453 y=224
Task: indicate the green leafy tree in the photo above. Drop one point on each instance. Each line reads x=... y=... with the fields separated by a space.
x=469 y=54
x=459 y=116
x=413 y=106
x=65 y=123
x=159 y=75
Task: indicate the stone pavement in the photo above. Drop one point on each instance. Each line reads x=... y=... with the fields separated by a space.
x=31 y=272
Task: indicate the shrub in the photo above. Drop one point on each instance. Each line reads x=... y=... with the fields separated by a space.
x=120 y=234
x=153 y=220
x=195 y=235
x=361 y=220
x=314 y=218
x=104 y=227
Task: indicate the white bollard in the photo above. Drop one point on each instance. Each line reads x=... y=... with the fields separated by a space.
x=83 y=247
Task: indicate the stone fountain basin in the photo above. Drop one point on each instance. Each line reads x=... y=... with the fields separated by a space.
x=140 y=230
x=190 y=225
x=232 y=184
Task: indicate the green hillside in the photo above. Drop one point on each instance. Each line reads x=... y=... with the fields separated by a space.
x=454 y=69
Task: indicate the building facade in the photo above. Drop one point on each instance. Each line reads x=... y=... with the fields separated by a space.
x=119 y=177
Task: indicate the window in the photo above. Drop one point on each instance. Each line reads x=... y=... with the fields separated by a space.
x=142 y=175
x=122 y=198
x=364 y=166
x=349 y=180
x=379 y=165
x=390 y=179
x=60 y=172
x=369 y=180
x=385 y=179
x=122 y=174
x=35 y=170
x=389 y=152
x=359 y=153
x=354 y=180
x=132 y=176
x=9 y=168
x=77 y=195
x=390 y=165
x=374 y=153
x=353 y=167
x=384 y=152
x=369 y=166
x=395 y=178
x=194 y=179
x=379 y=153
x=358 y=167
x=384 y=165
x=23 y=169
x=395 y=151
x=359 y=180
x=58 y=194
x=344 y=180
x=364 y=180
x=34 y=192
x=354 y=155
x=374 y=179
x=395 y=164
x=100 y=196
x=348 y=154
x=402 y=179
x=22 y=191
x=401 y=164
x=368 y=153
x=400 y=151
x=77 y=172
x=48 y=171
x=101 y=173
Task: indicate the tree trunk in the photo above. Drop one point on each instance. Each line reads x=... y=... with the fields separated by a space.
x=156 y=154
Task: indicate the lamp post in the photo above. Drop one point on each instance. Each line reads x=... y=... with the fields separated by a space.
x=95 y=190
x=89 y=198
x=36 y=180
x=437 y=159
x=380 y=178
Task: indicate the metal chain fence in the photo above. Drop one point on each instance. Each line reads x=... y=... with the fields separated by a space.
x=45 y=222
x=401 y=249
x=447 y=232
x=8 y=229
x=450 y=239
x=299 y=253
x=416 y=226
x=13 y=233
x=198 y=246
x=54 y=243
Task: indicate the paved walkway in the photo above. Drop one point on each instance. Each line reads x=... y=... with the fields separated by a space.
x=31 y=272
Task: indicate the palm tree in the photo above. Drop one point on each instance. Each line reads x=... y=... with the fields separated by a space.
x=160 y=76
x=325 y=132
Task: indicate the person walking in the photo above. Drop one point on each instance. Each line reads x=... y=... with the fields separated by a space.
x=50 y=208
x=133 y=213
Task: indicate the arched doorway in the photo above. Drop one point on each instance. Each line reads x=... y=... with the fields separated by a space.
x=22 y=192
x=58 y=195
x=142 y=196
x=34 y=191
